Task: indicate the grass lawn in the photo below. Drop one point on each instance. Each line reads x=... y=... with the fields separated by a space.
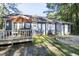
x=55 y=47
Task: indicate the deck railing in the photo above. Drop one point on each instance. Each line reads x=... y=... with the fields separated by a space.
x=23 y=33
x=20 y=34
x=1 y=35
x=5 y=34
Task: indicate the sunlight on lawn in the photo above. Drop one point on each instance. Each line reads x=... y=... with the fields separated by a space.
x=56 y=47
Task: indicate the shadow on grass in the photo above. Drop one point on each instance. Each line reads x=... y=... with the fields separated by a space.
x=39 y=41
x=59 y=45
x=36 y=51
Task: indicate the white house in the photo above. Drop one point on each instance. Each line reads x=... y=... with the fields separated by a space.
x=44 y=25
x=38 y=25
x=21 y=28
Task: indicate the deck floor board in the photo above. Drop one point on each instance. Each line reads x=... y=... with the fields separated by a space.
x=11 y=39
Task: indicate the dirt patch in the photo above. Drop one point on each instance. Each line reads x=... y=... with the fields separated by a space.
x=2 y=48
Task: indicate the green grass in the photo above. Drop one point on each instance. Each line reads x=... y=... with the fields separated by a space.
x=56 y=47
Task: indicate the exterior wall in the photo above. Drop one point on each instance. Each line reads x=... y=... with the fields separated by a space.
x=63 y=29
x=59 y=29
x=53 y=28
x=38 y=28
x=34 y=28
x=21 y=25
x=18 y=25
x=67 y=29
x=50 y=27
x=44 y=28
x=47 y=28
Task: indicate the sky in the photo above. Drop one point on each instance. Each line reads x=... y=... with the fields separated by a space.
x=33 y=8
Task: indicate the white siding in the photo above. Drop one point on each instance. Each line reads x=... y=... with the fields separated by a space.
x=47 y=28
x=43 y=28
x=50 y=27
x=59 y=28
x=34 y=28
x=63 y=29
x=17 y=25
x=67 y=29
x=53 y=28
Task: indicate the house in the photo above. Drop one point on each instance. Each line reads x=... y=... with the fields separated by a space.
x=21 y=28
x=16 y=29
x=43 y=25
x=38 y=24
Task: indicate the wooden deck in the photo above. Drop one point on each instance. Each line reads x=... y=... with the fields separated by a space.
x=16 y=37
x=14 y=41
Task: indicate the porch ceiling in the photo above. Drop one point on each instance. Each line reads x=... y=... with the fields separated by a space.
x=19 y=19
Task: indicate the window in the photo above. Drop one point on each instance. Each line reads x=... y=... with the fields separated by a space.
x=20 y=25
x=27 y=25
x=8 y=25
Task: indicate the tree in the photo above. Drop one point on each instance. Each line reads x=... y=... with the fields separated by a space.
x=5 y=9
x=12 y=8
x=53 y=10
x=3 y=12
x=67 y=12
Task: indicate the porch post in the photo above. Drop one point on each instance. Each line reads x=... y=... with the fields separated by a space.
x=12 y=28
x=55 y=28
x=62 y=28
x=45 y=28
x=41 y=29
x=4 y=28
x=5 y=25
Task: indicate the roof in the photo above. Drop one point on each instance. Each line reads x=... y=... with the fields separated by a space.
x=58 y=21
x=19 y=19
x=31 y=18
x=63 y=22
